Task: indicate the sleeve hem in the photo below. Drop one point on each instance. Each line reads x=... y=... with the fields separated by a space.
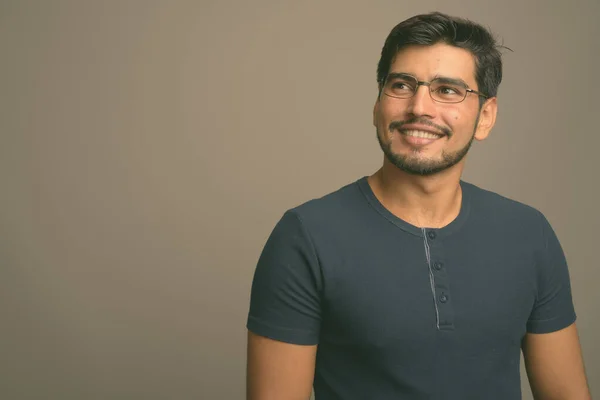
x=551 y=325
x=287 y=335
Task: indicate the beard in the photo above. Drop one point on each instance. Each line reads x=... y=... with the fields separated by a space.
x=415 y=165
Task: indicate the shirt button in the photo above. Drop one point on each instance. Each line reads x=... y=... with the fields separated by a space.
x=443 y=298
x=431 y=235
x=438 y=266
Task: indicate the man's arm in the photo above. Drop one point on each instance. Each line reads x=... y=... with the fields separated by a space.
x=284 y=320
x=554 y=365
x=278 y=370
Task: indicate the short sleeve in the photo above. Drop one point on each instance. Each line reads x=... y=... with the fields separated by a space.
x=285 y=299
x=553 y=309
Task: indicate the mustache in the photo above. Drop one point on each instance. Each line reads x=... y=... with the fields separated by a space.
x=397 y=125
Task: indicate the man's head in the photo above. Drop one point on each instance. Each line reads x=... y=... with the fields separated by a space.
x=438 y=77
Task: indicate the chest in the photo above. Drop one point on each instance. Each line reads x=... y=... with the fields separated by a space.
x=401 y=294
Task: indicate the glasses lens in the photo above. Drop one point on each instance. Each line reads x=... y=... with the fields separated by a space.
x=400 y=86
x=446 y=92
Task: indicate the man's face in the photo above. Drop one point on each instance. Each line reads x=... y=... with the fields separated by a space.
x=424 y=137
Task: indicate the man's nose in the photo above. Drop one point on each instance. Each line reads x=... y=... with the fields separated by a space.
x=421 y=103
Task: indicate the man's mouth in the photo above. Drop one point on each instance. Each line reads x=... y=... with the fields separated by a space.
x=420 y=134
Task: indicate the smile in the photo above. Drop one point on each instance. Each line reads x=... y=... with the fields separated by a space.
x=421 y=134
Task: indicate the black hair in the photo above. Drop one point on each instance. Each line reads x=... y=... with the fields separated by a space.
x=432 y=28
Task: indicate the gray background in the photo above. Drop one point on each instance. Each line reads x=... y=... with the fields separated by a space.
x=148 y=148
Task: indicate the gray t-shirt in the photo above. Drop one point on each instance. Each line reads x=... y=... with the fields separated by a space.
x=401 y=312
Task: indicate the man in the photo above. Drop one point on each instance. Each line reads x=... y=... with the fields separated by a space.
x=411 y=283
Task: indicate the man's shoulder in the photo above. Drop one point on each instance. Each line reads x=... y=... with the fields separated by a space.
x=497 y=206
x=332 y=205
x=326 y=217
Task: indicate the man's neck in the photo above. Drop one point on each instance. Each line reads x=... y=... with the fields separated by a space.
x=424 y=201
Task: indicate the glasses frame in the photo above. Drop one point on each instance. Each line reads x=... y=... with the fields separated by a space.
x=428 y=83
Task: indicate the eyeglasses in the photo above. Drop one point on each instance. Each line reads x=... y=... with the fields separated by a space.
x=442 y=90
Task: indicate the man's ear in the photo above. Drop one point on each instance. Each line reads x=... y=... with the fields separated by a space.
x=487 y=118
x=375 y=112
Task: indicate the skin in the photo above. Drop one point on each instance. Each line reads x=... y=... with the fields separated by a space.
x=282 y=371
x=554 y=365
x=279 y=371
x=429 y=200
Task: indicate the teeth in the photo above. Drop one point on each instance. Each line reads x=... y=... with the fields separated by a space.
x=421 y=134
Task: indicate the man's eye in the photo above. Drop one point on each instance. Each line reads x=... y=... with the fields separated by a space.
x=449 y=90
x=401 y=86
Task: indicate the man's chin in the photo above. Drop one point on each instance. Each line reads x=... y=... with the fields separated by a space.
x=420 y=167
x=420 y=170
x=416 y=163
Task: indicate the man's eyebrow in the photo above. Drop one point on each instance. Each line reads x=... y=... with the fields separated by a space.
x=400 y=75
x=452 y=81
x=442 y=79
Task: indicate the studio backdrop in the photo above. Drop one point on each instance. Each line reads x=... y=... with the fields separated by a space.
x=147 y=148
